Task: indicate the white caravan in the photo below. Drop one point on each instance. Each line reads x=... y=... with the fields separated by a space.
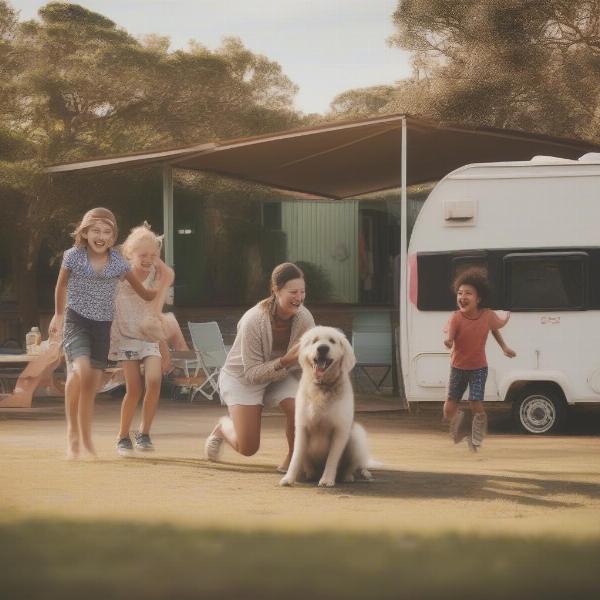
x=535 y=227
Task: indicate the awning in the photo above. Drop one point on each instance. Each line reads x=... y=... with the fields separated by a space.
x=349 y=158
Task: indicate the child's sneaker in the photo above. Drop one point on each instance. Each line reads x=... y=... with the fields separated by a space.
x=143 y=442
x=455 y=423
x=471 y=446
x=479 y=429
x=125 y=447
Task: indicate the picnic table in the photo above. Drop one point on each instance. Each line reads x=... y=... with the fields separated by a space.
x=13 y=365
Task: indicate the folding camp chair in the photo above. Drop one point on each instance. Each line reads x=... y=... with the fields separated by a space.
x=187 y=374
x=372 y=343
x=211 y=353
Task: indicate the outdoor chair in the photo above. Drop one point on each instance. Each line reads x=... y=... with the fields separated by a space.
x=210 y=355
x=373 y=347
x=186 y=375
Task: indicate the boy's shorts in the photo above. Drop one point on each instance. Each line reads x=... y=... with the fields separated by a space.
x=233 y=391
x=86 y=337
x=460 y=378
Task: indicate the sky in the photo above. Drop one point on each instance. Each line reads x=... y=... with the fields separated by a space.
x=324 y=46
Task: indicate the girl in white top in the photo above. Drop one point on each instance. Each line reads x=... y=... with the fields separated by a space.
x=133 y=346
x=258 y=369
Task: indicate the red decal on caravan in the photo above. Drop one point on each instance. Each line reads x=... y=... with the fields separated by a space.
x=413 y=279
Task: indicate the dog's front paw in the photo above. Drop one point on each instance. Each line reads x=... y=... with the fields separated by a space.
x=366 y=475
x=286 y=481
x=326 y=482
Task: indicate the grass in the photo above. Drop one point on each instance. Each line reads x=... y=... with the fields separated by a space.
x=62 y=559
x=518 y=520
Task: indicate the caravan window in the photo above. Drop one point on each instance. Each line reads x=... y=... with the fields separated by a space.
x=546 y=281
x=468 y=261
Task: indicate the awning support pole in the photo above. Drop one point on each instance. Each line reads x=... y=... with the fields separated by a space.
x=167 y=177
x=403 y=265
x=167 y=181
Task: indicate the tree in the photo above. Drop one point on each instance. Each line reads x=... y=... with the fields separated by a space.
x=523 y=64
x=74 y=85
x=532 y=65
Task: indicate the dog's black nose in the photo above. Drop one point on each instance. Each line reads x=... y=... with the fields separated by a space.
x=323 y=349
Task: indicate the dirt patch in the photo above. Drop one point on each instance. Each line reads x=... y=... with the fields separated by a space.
x=518 y=484
x=437 y=521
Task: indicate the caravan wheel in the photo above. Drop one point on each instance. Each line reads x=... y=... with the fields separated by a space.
x=540 y=411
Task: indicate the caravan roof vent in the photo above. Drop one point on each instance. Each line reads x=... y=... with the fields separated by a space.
x=460 y=211
x=590 y=157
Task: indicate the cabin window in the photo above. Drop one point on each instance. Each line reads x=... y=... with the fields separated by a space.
x=546 y=281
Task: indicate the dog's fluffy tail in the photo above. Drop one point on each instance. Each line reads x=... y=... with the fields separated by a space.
x=362 y=447
x=376 y=464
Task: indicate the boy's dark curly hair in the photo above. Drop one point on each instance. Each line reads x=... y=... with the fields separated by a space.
x=476 y=277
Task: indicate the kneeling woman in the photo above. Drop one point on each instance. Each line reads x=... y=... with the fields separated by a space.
x=258 y=368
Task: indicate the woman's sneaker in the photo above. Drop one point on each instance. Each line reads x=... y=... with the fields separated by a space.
x=143 y=442
x=124 y=447
x=212 y=447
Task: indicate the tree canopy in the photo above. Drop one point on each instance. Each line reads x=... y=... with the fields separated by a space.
x=532 y=65
x=75 y=85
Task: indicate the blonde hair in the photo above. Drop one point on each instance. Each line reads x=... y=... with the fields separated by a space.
x=138 y=235
x=95 y=214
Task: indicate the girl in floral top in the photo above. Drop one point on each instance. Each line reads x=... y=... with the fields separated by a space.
x=84 y=299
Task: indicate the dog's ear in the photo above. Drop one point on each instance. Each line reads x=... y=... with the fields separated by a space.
x=304 y=345
x=349 y=359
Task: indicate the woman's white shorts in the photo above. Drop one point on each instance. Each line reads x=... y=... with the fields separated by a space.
x=233 y=391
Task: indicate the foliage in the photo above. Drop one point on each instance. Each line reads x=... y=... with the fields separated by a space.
x=319 y=288
x=532 y=65
x=74 y=85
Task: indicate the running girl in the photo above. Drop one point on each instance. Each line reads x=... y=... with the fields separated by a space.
x=84 y=299
x=467 y=332
x=130 y=343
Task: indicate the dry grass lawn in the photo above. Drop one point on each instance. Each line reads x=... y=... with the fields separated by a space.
x=524 y=513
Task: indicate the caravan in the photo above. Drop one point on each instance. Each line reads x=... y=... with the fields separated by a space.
x=535 y=227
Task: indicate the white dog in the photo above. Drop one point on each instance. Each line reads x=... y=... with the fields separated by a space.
x=327 y=440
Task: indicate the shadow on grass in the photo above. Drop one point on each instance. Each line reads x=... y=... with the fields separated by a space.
x=466 y=486
x=196 y=463
x=428 y=485
x=54 y=559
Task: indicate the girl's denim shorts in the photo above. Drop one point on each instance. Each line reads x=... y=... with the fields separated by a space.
x=86 y=337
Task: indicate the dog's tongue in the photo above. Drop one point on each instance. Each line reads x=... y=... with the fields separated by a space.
x=320 y=366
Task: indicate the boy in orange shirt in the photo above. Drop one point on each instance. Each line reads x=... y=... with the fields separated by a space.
x=467 y=332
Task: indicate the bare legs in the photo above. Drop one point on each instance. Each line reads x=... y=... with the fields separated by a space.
x=134 y=387
x=80 y=393
x=72 y=387
x=450 y=408
x=478 y=427
x=241 y=429
x=173 y=332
